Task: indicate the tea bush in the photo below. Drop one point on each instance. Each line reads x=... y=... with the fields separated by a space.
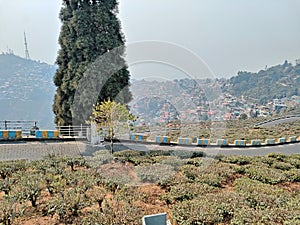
x=188 y=191
x=239 y=160
x=214 y=208
x=156 y=173
x=272 y=216
x=259 y=195
x=194 y=190
x=293 y=175
x=265 y=174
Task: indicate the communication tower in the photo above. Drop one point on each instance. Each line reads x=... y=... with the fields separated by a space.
x=26 y=47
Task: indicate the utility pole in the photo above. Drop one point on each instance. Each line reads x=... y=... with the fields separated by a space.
x=26 y=47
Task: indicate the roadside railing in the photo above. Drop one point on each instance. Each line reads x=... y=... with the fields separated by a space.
x=73 y=131
x=24 y=125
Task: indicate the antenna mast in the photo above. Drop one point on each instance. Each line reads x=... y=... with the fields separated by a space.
x=26 y=48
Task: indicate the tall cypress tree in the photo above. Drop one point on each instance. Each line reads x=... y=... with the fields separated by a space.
x=90 y=28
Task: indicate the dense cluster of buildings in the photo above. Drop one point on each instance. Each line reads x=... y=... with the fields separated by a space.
x=190 y=103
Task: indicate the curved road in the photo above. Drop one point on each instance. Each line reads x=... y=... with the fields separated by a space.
x=38 y=150
x=249 y=151
x=279 y=121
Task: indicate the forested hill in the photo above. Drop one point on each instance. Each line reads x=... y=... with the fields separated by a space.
x=276 y=82
x=26 y=90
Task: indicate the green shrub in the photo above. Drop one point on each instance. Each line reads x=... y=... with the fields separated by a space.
x=263 y=161
x=29 y=187
x=198 y=154
x=173 y=161
x=140 y=160
x=293 y=175
x=50 y=164
x=212 y=174
x=190 y=172
x=129 y=153
x=156 y=173
x=75 y=161
x=100 y=158
x=188 y=191
x=183 y=154
x=259 y=195
x=160 y=153
x=115 y=177
x=294 y=156
x=294 y=162
x=195 y=162
x=278 y=156
x=10 y=210
x=239 y=160
x=67 y=205
x=176 y=179
x=207 y=209
x=282 y=166
x=10 y=167
x=272 y=216
x=265 y=174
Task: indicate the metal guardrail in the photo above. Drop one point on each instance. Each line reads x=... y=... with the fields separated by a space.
x=73 y=131
x=24 y=125
x=27 y=126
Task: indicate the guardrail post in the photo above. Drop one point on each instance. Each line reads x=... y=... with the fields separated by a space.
x=5 y=124
x=69 y=130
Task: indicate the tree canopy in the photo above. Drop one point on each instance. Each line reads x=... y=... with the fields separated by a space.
x=90 y=28
x=109 y=115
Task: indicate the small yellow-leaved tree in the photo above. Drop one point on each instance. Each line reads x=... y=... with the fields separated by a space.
x=109 y=115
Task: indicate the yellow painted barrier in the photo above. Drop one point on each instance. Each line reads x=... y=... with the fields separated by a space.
x=240 y=143
x=5 y=134
x=44 y=134
x=18 y=134
x=184 y=141
x=163 y=139
x=56 y=134
x=203 y=142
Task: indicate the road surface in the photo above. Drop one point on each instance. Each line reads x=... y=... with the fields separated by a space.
x=280 y=121
x=38 y=150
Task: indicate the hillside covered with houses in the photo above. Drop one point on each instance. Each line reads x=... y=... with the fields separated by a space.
x=27 y=91
x=266 y=93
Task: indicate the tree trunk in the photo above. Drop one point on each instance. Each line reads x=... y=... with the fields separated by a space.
x=112 y=142
x=111 y=145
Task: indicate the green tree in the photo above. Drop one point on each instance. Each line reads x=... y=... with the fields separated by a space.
x=243 y=116
x=89 y=30
x=30 y=187
x=109 y=115
x=9 y=210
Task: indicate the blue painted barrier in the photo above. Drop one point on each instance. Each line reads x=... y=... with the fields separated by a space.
x=292 y=139
x=222 y=142
x=138 y=137
x=47 y=134
x=282 y=140
x=255 y=142
x=184 y=141
x=163 y=139
x=240 y=143
x=270 y=142
x=10 y=134
x=203 y=142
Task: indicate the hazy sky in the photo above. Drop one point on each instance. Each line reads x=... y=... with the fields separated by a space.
x=229 y=35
